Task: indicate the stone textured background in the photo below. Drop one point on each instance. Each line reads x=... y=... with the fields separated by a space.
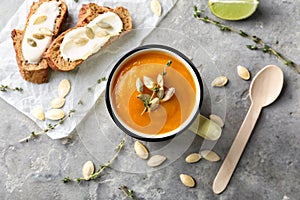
x=269 y=168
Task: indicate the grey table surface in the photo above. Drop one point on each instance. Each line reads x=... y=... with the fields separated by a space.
x=268 y=169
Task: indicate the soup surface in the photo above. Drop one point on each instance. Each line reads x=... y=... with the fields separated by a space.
x=170 y=114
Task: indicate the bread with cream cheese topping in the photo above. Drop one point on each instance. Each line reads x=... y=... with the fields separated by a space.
x=87 y=13
x=36 y=72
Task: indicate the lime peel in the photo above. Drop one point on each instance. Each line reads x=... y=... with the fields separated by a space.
x=237 y=1
x=233 y=10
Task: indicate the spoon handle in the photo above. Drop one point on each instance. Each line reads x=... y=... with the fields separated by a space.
x=236 y=150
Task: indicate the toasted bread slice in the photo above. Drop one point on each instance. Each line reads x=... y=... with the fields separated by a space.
x=36 y=73
x=87 y=13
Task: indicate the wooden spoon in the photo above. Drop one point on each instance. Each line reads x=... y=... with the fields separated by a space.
x=264 y=90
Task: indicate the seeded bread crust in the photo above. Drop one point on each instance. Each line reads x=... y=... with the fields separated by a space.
x=36 y=73
x=87 y=13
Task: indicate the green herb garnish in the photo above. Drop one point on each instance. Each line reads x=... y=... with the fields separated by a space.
x=129 y=193
x=5 y=88
x=165 y=68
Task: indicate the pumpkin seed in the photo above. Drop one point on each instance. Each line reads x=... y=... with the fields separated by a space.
x=31 y=42
x=149 y=83
x=55 y=114
x=154 y=103
x=187 y=180
x=141 y=150
x=156 y=7
x=87 y=170
x=89 y=33
x=169 y=93
x=156 y=160
x=46 y=31
x=139 y=85
x=101 y=33
x=38 y=113
x=104 y=25
x=193 y=158
x=219 y=81
x=160 y=80
x=40 y=20
x=210 y=155
x=81 y=41
x=160 y=83
x=161 y=93
x=243 y=72
x=58 y=102
x=216 y=119
x=64 y=88
x=38 y=36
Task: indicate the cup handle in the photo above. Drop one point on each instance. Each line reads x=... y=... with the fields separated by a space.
x=206 y=128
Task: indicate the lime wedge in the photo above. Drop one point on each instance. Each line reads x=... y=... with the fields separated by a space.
x=233 y=9
x=206 y=128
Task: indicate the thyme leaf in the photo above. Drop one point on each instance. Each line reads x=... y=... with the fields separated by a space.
x=129 y=193
x=66 y=179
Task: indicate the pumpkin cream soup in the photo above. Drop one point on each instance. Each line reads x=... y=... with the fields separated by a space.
x=153 y=92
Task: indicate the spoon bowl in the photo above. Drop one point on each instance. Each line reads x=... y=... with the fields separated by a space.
x=266 y=86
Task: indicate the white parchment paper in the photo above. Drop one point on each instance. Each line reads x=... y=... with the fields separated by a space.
x=85 y=88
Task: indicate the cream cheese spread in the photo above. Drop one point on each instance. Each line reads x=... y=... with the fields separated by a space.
x=39 y=31
x=82 y=42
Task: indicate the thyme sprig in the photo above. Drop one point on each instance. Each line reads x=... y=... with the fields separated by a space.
x=48 y=128
x=129 y=193
x=166 y=66
x=95 y=175
x=259 y=45
x=5 y=88
x=99 y=81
